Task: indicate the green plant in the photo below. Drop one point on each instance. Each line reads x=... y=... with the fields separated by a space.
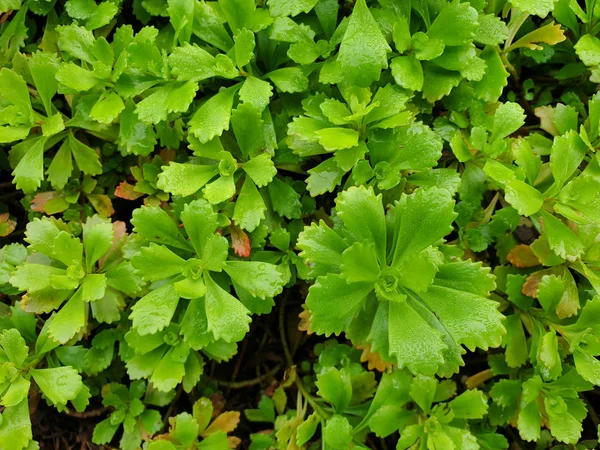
x=182 y=177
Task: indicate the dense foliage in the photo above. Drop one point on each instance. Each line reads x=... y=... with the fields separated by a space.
x=299 y=224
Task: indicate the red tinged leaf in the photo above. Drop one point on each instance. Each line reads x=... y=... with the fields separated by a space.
x=167 y=155
x=7 y=225
x=522 y=256
x=51 y=202
x=240 y=242
x=126 y=191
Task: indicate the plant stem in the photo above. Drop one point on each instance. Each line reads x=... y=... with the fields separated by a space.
x=286 y=350
x=290 y=362
x=479 y=378
x=514 y=29
x=246 y=383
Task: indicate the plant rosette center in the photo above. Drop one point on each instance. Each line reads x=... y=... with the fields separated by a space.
x=387 y=286
x=193 y=268
x=227 y=167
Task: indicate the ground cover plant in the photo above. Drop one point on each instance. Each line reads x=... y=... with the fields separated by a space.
x=299 y=224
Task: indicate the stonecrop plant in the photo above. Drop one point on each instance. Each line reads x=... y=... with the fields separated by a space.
x=299 y=224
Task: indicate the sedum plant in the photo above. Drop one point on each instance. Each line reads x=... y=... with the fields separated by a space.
x=384 y=281
x=189 y=307
x=77 y=276
x=182 y=178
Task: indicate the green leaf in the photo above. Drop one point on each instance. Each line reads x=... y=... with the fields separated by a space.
x=438 y=82
x=508 y=118
x=15 y=429
x=104 y=431
x=289 y=79
x=524 y=198
x=285 y=200
x=212 y=118
x=336 y=432
x=321 y=247
x=407 y=72
x=335 y=386
x=567 y=154
x=258 y=278
x=220 y=190
x=325 y=177
x=337 y=138
x=563 y=241
x=76 y=78
x=59 y=384
x=422 y=391
x=155 y=225
x=492 y=30
x=548 y=357
x=282 y=8
x=363 y=51
x=334 y=303
x=256 y=92
x=249 y=208
x=359 y=263
x=426 y=216
x=154 y=311
x=185 y=179
x=362 y=214
x=412 y=340
x=535 y=7
x=69 y=320
x=565 y=417
x=157 y=262
x=456 y=24
x=171 y=98
x=490 y=87
x=200 y=221
x=16 y=393
x=190 y=62
x=29 y=172
x=237 y=12
x=14 y=346
x=86 y=158
x=529 y=422
x=260 y=169
x=181 y=15
x=227 y=318
x=171 y=369
x=588 y=50
x=14 y=90
x=98 y=237
x=469 y=405
x=135 y=137
x=43 y=67
x=243 y=47
x=107 y=108
x=470 y=319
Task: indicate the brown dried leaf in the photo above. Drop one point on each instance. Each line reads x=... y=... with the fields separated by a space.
x=127 y=191
x=373 y=359
x=522 y=256
x=234 y=442
x=167 y=155
x=532 y=283
x=304 y=324
x=548 y=34
x=546 y=116
x=102 y=204
x=226 y=422
x=218 y=402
